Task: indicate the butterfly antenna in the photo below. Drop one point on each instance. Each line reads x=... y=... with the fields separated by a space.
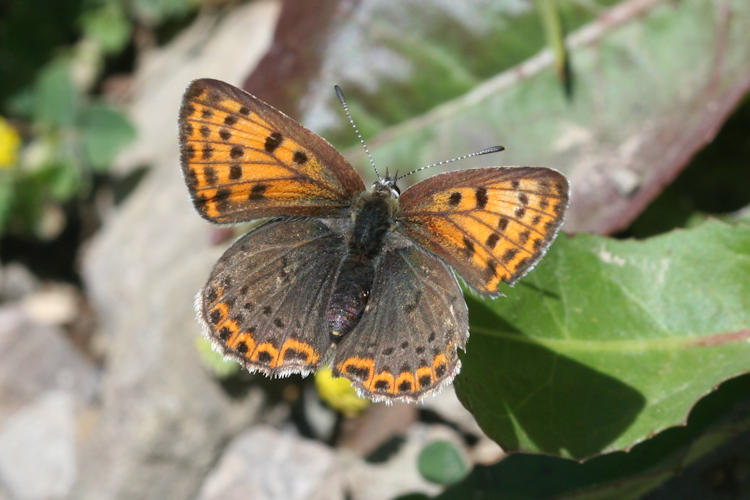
x=493 y=149
x=340 y=94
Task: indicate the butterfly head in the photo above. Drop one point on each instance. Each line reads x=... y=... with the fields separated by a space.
x=386 y=186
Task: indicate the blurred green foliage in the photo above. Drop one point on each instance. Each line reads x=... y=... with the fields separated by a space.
x=441 y=462
x=58 y=130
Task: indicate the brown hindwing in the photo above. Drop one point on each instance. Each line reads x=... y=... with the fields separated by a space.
x=405 y=347
x=264 y=304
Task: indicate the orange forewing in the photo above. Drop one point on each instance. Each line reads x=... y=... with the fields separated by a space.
x=490 y=224
x=243 y=159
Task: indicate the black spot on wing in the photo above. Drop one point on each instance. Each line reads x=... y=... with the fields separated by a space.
x=273 y=141
x=481 y=196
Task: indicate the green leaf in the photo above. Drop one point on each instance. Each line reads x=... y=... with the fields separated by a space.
x=105 y=130
x=553 y=29
x=441 y=462
x=63 y=180
x=716 y=420
x=740 y=217
x=410 y=60
x=21 y=104
x=608 y=342
x=109 y=26
x=6 y=198
x=56 y=181
x=30 y=194
x=30 y=33
x=156 y=11
x=55 y=97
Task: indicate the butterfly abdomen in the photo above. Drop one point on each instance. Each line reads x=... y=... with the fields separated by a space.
x=357 y=271
x=349 y=297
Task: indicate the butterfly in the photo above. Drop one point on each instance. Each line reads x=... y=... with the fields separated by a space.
x=341 y=275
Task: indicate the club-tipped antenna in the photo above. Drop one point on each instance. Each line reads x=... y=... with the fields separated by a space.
x=340 y=94
x=493 y=149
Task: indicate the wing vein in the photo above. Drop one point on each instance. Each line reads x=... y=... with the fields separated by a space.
x=230 y=112
x=238 y=183
x=231 y=127
x=482 y=245
x=279 y=163
x=536 y=193
x=521 y=247
x=441 y=292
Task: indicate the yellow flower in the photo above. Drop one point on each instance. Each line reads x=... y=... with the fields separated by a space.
x=10 y=141
x=338 y=393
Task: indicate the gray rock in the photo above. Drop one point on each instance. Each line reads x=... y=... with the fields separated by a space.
x=375 y=426
x=320 y=417
x=16 y=281
x=37 y=448
x=163 y=419
x=265 y=464
x=35 y=359
x=45 y=384
x=397 y=476
x=53 y=304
